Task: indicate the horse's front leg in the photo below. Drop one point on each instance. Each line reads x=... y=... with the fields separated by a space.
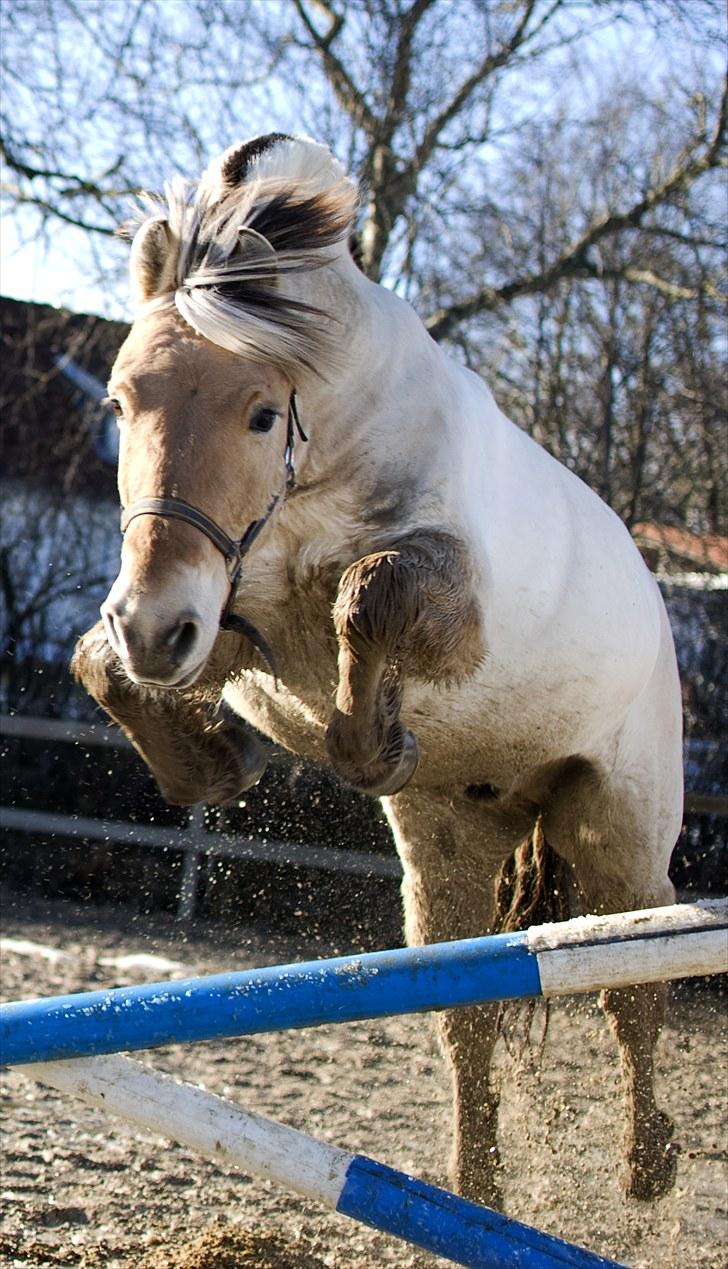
x=408 y=610
x=451 y=851
x=193 y=757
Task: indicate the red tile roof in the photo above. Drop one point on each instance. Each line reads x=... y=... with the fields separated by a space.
x=705 y=552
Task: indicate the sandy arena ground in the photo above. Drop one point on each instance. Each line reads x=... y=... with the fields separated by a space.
x=82 y=1190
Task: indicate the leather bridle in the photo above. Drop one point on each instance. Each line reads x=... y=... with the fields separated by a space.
x=233 y=550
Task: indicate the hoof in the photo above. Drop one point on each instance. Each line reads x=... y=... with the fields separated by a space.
x=250 y=761
x=384 y=775
x=382 y=779
x=401 y=774
x=652 y=1170
x=392 y=763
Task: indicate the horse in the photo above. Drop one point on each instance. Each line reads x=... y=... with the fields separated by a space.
x=334 y=537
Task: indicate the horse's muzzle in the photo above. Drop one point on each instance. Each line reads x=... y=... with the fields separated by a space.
x=170 y=657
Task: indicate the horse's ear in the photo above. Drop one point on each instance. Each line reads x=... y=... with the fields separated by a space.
x=256 y=252
x=153 y=259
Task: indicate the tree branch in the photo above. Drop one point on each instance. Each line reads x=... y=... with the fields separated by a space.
x=350 y=98
x=574 y=262
x=490 y=63
x=403 y=64
x=75 y=185
x=49 y=209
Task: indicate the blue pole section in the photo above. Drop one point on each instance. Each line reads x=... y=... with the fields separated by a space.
x=452 y=1227
x=344 y=989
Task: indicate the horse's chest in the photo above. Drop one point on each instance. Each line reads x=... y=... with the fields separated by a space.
x=294 y=614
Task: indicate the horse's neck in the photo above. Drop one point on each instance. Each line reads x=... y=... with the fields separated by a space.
x=358 y=410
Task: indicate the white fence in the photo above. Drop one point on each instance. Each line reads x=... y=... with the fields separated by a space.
x=196 y=841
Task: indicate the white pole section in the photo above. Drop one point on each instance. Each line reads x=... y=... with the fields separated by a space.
x=652 y=945
x=353 y=1185
x=215 y=1128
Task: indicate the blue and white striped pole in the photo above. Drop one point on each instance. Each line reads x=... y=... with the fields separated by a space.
x=586 y=954
x=352 y=1185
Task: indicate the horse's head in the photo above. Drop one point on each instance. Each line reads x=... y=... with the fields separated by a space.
x=203 y=388
x=204 y=427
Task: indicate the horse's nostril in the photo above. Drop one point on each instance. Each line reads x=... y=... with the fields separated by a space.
x=182 y=640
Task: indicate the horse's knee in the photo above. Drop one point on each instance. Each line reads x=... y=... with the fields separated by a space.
x=413 y=604
x=409 y=611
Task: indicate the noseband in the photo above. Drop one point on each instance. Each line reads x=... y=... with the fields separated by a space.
x=233 y=550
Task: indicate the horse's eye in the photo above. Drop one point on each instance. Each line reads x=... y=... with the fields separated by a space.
x=263 y=420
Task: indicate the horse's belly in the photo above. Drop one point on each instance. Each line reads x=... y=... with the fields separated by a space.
x=496 y=728
x=464 y=736
x=473 y=737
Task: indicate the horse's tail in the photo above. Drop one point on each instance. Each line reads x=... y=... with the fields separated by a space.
x=533 y=887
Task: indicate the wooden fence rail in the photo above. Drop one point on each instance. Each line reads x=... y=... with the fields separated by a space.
x=194 y=842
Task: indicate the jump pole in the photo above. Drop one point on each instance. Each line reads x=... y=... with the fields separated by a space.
x=352 y=1185
x=583 y=955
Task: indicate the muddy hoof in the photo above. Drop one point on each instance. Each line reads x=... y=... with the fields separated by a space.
x=248 y=761
x=652 y=1171
x=401 y=774
x=387 y=776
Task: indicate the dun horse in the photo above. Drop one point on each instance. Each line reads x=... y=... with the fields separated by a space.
x=456 y=623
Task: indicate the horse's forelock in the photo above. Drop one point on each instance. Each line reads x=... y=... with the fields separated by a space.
x=292 y=160
x=235 y=163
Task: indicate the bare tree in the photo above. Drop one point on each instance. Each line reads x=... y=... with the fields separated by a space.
x=597 y=367
x=542 y=179
x=424 y=97
x=55 y=566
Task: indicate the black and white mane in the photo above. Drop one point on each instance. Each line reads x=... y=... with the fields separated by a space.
x=254 y=218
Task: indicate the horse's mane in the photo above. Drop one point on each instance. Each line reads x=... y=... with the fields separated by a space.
x=263 y=210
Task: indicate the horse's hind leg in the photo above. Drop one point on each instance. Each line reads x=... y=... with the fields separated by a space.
x=451 y=853
x=408 y=610
x=192 y=757
x=635 y=1013
x=618 y=829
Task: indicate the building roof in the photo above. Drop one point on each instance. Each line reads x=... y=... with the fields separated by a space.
x=50 y=426
x=665 y=546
